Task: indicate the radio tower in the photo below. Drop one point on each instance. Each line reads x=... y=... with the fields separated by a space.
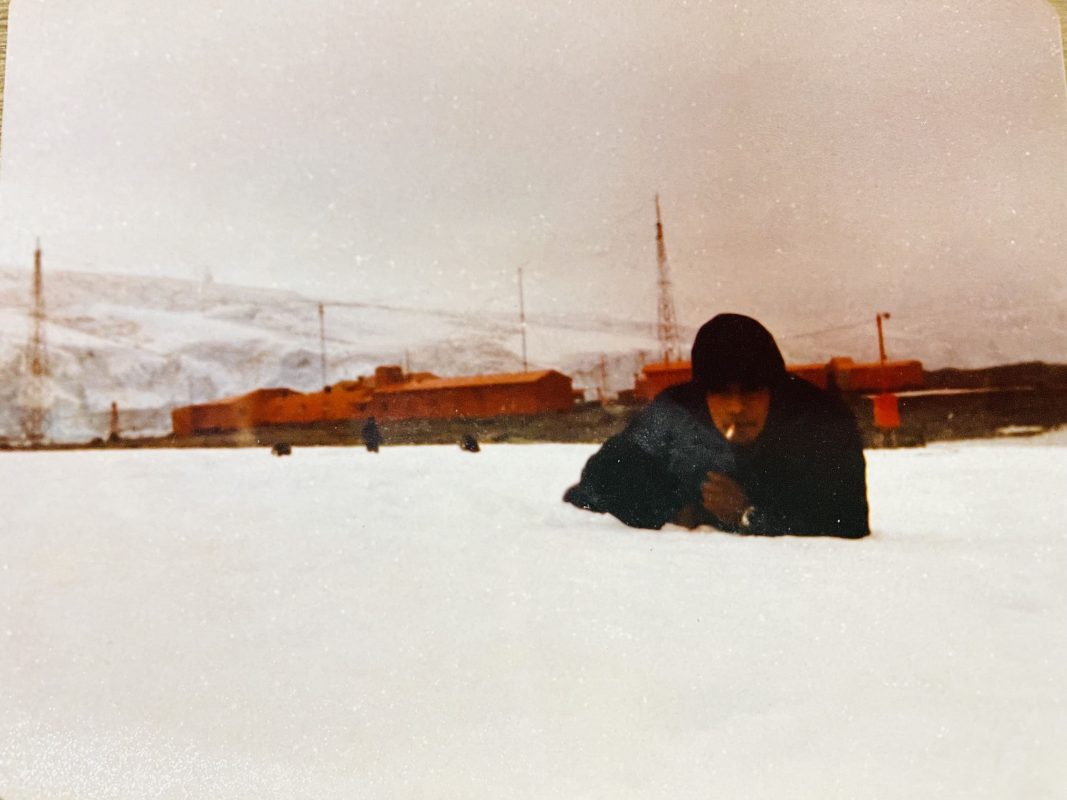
x=667 y=328
x=3 y=57
x=34 y=389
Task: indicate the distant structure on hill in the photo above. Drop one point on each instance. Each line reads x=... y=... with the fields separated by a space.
x=840 y=373
x=391 y=394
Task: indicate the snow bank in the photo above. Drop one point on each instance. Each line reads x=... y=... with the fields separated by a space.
x=432 y=623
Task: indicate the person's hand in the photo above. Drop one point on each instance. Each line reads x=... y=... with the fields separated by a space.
x=724 y=498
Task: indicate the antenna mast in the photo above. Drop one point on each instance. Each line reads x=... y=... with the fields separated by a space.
x=522 y=323
x=114 y=433
x=3 y=57
x=34 y=389
x=881 y=339
x=322 y=342
x=667 y=328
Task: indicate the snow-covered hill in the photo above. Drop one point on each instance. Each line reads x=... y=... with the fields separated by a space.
x=149 y=344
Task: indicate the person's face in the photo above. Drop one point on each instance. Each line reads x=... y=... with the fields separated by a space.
x=739 y=412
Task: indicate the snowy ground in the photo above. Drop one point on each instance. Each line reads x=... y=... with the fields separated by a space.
x=428 y=623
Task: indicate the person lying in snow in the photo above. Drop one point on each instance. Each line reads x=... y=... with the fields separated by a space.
x=744 y=447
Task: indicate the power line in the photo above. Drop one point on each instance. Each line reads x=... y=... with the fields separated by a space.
x=501 y=321
x=819 y=332
x=568 y=321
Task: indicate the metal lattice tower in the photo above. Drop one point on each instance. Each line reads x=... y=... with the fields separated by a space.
x=4 y=4
x=667 y=327
x=36 y=368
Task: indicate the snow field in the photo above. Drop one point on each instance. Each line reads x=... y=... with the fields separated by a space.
x=433 y=623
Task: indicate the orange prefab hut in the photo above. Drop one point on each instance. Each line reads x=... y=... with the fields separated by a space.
x=654 y=378
x=475 y=396
x=841 y=372
x=848 y=376
x=265 y=407
x=389 y=395
x=229 y=414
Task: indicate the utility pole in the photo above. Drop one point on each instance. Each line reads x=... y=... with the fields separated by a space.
x=322 y=342
x=35 y=389
x=667 y=325
x=602 y=388
x=522 y=324
x=886 y=407
x=114 y=434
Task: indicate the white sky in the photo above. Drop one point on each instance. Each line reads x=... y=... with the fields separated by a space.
x=817 y=162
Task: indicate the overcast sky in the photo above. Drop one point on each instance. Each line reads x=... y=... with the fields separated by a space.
x=816 y=161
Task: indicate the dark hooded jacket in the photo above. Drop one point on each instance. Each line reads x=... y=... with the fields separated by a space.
x=805 y=474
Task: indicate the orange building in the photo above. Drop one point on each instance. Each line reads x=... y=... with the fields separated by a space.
x=654 y=378
x=229 y=414
x=343 y=400
x=848 y=376
x=840 y=372
x=389 y=395
x=476 y=396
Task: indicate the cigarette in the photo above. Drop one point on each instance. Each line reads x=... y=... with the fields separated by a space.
x=730 y=433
